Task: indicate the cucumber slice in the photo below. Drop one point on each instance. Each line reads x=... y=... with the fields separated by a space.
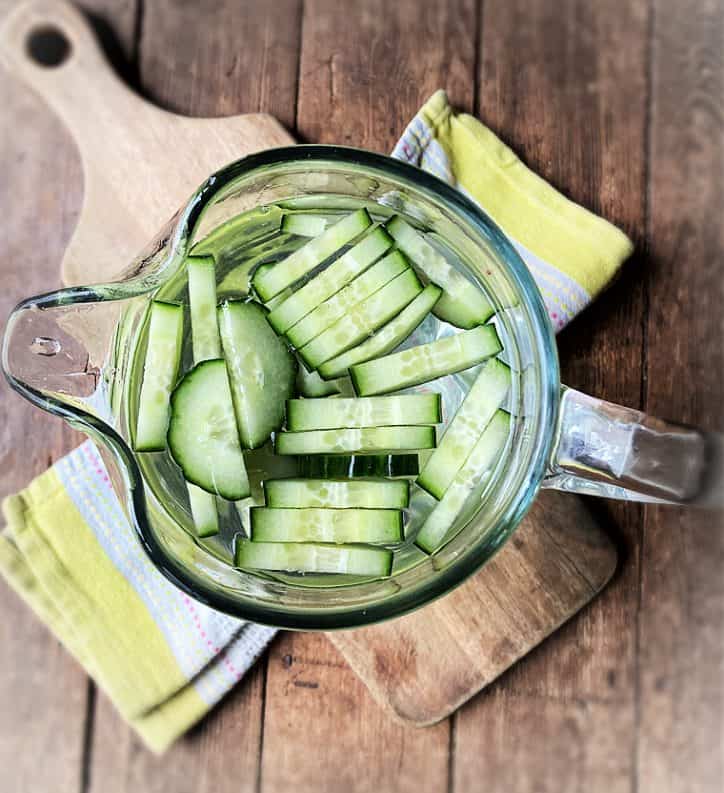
x=206 y=345
x=239 y=231
x=337 y=493
x=387 y=337
x=294 y=557
x=362 y=320
x=310 y=384
x=462 y=303
x=237 y=282
x=160 y=370
x=311 y=255
x=372 y=526
x=203 y=511
x=329 y=281
x=202 y=433
x=467 y=482
x=321 y=414
x=305 y=224
x=347 y=298
x=202 y=303
x=277 y=300
x=426 y=362
x=368 y=440
x=482 y=400
x=331 y=466
x=261 y=370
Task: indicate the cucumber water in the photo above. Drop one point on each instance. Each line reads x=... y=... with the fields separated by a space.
x=320 y=393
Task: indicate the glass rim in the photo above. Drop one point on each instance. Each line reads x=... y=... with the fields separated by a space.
x=299 y=618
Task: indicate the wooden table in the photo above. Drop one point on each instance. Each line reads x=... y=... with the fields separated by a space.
x=619 y=104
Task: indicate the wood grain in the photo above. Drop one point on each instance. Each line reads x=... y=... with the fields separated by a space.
x=121 y=215
x=572 y=102
x=365 y=71
x=43 y=691
x=424 y=666
x=323 y=733
x=220 y=754
x=681 y=677
x=223 y=752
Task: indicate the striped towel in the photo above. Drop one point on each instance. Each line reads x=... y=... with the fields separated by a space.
x=69 y=550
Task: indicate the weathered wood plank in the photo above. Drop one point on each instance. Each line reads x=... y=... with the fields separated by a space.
x=233 y=58
x=681 y=731
x=572 y=102
x=227 y=58
x=367 y=67
x=44 y=692
x=324 y=734
x=218 y=755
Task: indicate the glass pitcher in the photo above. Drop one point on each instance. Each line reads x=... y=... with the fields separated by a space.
x=74 y=353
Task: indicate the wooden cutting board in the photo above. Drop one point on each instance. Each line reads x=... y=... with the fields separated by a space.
x=140 y=164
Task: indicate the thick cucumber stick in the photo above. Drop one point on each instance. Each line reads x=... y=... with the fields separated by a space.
x=337 y=493
x=467 y=482
x=462 y=303
x=206 y=344
x=321 y=414
x=294 y=557
x=339 y=273
x=338 y=526
x=311 y=255
x=426 y=362
x=306 y=224
x=261 y=368
x=386 y=338
x=203 y=511
x=362 y=320
x=202 y=433
x=369 y=440
x=485 y=396
x=331 y=466
x=160 y=370
x=339 y=305
x=202 y=304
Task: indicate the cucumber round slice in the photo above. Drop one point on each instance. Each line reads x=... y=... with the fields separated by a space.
x=202 y=433
x=320 y=414
x=426 y=362
x=338 y=493
x=387 y=337
x=261 y=370
x=295 y=557
x=160 y=370
x=371 y=526
x=368 y=440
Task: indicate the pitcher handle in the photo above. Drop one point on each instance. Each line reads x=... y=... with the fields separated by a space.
x=608 y=450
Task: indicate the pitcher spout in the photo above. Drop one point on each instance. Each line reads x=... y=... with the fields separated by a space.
x=57 y=350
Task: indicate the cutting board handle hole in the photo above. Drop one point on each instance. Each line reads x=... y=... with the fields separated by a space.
x=48 y=46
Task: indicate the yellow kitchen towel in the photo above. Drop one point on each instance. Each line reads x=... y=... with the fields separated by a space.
x=163 y=658
x=572 y=253
x=70 y=552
